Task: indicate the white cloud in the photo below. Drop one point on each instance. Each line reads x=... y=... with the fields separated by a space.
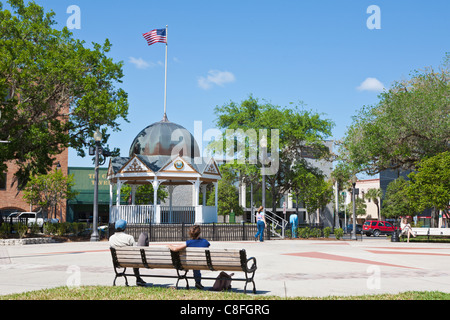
x=371 y=84
x=140 y=63
x=215 y=77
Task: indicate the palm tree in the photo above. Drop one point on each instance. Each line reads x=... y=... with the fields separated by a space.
x=375 y=196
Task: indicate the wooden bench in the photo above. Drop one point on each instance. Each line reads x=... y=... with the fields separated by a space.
x=153 y=257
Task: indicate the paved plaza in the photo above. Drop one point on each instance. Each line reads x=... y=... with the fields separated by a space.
x=310 y=268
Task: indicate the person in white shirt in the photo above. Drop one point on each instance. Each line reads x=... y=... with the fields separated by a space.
x=260 y=224
x=406 y=228
x=121 y=239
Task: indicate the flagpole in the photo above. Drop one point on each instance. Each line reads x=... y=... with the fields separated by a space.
x=165 y=86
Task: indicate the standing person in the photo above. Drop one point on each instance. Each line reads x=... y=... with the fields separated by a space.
x=195 y=242
x=121 y=239
x=260 y=224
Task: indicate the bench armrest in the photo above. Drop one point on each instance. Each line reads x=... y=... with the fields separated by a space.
x=253 y=266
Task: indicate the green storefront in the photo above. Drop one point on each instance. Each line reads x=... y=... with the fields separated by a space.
x=81 y=208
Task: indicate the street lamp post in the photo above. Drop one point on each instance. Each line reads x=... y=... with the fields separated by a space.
x=263 y=144
x=94 y=235
x=354 y=179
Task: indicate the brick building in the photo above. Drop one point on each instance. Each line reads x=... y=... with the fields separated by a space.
x=12 y=201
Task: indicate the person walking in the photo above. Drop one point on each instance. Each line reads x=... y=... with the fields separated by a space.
x=260 y=224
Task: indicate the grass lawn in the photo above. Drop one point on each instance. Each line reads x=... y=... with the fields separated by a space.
x=161 y=293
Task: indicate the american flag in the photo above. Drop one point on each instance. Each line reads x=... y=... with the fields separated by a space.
x=154 y=36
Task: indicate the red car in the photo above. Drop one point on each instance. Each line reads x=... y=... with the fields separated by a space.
x=376 y=228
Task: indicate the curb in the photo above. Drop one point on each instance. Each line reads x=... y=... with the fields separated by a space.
x=15 y=242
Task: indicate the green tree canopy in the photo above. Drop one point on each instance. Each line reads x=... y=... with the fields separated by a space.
x=54 y=90
x=430 y=185
x=411 y=122
x=49 y=190
x=396 y=202
x=291 y=134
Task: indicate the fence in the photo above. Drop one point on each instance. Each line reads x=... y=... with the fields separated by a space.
x=180 y=232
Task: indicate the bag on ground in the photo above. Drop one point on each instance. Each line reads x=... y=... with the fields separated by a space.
x=223 y=282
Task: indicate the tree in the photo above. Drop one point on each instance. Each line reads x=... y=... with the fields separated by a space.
x=410 y=123
x=375 y=195
x=49 y=190
x=54 y=91
x=396 y=202
x=228 y=194
x=360 y=206
x=430 y=185
x=309 y=186
x=144 y=194
x=291 y=133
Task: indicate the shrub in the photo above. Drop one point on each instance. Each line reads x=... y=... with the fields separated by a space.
x=326 y=232
x=315 y=233
x=304 y=232
x=22 y=229
x=338 y=233
x=5 y=230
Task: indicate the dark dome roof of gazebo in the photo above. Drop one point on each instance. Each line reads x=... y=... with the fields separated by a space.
x=165 y=138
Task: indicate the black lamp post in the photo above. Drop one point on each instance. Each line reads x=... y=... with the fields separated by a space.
x=354 y=179
x=94 y=235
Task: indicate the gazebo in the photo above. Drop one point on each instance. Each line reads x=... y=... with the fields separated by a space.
x=163 y=154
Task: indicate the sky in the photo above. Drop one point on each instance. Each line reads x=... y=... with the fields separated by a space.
x=335 y=56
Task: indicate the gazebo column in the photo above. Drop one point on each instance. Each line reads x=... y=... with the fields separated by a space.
x=155 y=183
x=119 y=186
x=196 y=191
x=204 y=194
x=216 y=194
x=133 y=194
x=171 y=187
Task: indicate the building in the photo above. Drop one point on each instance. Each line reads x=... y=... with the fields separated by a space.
x=11 y=199
x=82 y=206
x=371 y=208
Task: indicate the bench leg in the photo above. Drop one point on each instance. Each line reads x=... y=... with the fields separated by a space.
x=250 y=280
x=182 y=277
x=120 y=274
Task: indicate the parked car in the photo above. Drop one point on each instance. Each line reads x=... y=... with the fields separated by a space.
x=359 y=228
x=29 y=217
x=377 y=228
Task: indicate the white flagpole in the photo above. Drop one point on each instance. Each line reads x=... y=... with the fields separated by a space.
x=165 y=86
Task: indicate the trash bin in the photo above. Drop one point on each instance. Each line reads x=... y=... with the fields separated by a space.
x=232 y=218
x=395 y=237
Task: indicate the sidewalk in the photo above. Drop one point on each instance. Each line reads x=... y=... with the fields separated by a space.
x=285 y=267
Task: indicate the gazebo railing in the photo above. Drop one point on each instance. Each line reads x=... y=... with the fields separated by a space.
x=137 y=214
x=132 y=213
x=178 y=214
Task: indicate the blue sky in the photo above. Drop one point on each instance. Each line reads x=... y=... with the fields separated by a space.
x=316 y=51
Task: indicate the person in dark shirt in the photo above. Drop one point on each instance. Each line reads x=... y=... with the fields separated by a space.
x=196 y=242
